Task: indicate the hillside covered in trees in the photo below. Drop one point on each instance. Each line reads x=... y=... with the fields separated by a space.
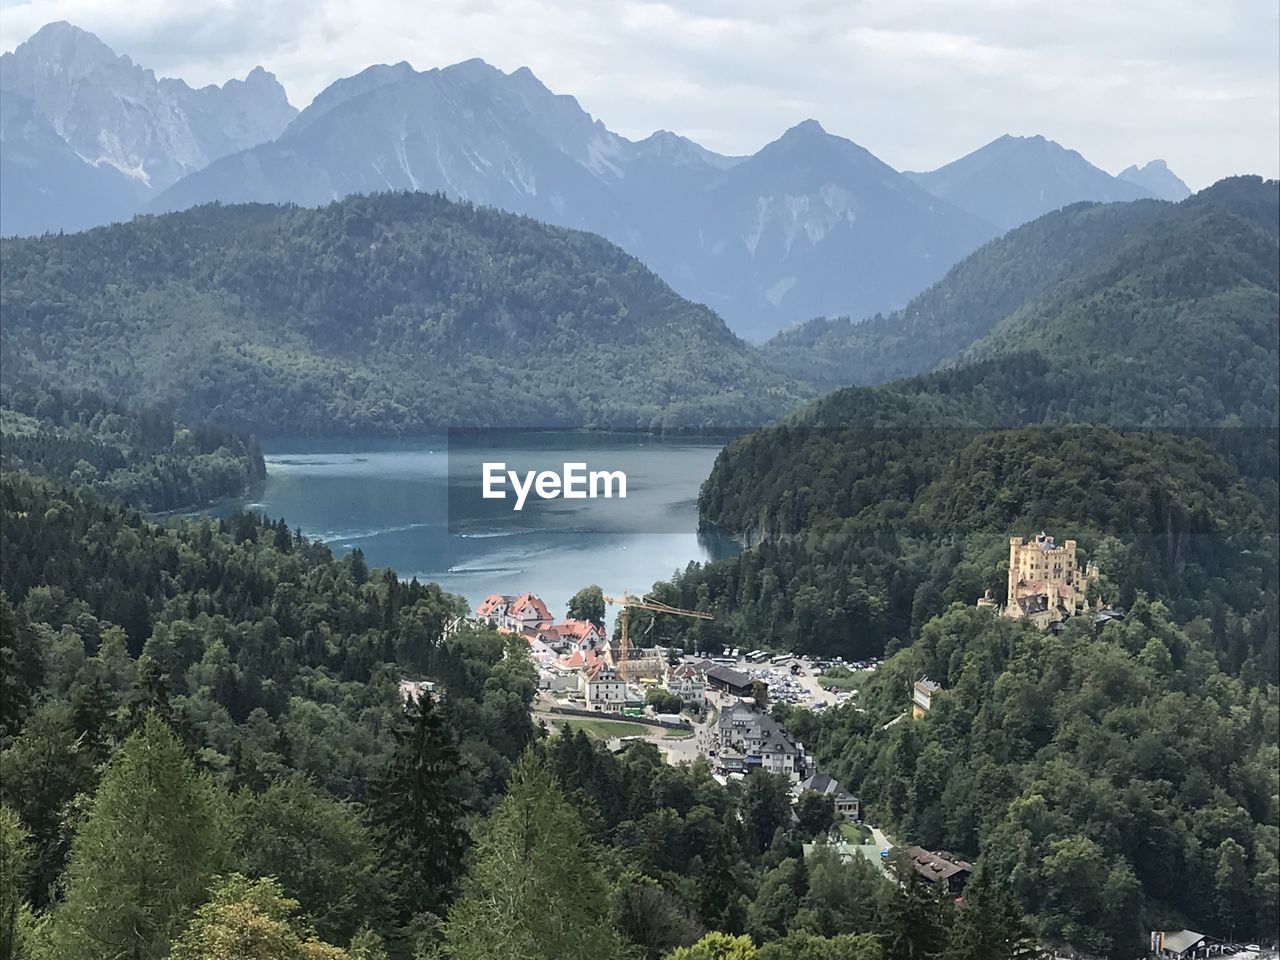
x=1121 y=777
x=376 y=315
x=143 y=458
x=1080 y=277
x=1120 y=780
x=873 y=508
x=205 y=753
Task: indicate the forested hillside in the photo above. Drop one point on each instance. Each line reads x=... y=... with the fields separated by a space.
x=895 y=525
x=376 y=315
x=1082 y=277
x=204 y=752
x=1119 y=780
x=1122 y=777
x=141 y=457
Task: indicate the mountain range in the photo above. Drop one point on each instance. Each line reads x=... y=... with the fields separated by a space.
x=810 y=225
x=90 y=137
x=1030 y=286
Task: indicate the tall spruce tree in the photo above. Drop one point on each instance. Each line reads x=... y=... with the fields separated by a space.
x=913 y=916
x=990 y=927
x=417 y=808
x=15 y=870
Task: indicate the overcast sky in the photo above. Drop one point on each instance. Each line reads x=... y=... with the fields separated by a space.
x=917 y=82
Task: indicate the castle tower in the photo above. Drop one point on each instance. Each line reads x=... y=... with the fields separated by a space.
x=1015 y=549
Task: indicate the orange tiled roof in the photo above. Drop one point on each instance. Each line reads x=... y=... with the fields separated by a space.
x=527 y=602
x=489 y=603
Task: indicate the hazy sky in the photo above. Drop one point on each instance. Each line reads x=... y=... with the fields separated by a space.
x=918 y=82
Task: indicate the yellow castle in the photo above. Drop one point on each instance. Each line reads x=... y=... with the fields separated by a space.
x=1046 y=583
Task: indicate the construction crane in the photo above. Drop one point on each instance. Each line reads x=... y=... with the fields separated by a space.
x=629 y=602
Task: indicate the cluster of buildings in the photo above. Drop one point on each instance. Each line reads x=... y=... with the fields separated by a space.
x=577 y=657
x=748 y=739
x=1189 y=945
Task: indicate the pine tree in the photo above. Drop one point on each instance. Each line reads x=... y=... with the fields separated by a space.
x=990 y=926
x=913 y=917
x=144 y=857
x=535 y=890
x=417 y=807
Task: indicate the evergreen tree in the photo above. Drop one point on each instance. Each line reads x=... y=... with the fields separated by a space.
x=990 y=927
x=912 y=916
x=20 y=672
x=534 y=890
x=417 y=808
x=367 y=945
x=144 y=858
x=319 y=850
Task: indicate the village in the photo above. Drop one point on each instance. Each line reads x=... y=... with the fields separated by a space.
x=714 y=705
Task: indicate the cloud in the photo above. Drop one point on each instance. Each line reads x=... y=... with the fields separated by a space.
x=918 y=82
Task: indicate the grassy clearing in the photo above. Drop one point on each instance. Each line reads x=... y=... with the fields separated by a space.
x=855 y=833
x=842 y=678
x=603 y=729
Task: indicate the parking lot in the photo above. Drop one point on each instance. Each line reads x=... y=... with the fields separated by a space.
x=801 y=686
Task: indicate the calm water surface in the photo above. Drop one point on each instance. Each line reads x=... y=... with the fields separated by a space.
x=391 y=499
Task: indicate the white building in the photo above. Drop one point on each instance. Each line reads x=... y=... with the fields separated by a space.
x=688 y=682
x=517 y=613
x=604 y=690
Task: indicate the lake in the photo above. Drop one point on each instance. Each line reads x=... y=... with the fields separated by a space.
x=410 y=505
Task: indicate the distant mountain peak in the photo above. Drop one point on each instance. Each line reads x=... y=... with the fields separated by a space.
x=1156 y=177
x=1014 y=179
x=527 y=77
x=112 y=111
x=260 y=74
x=680 y=149
x=61 y=30
x=63 y=42
x=474 y=70
x=805 y=128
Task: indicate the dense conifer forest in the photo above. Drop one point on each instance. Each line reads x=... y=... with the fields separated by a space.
x=142 y=457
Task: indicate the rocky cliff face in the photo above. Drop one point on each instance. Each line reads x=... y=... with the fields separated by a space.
x=114 y=114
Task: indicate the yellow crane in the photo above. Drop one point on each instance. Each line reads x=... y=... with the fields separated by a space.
x=629 y=602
